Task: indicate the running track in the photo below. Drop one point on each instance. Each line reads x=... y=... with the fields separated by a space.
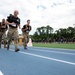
x=37 y=61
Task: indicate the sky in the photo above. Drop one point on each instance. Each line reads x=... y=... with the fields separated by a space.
x=56 y=13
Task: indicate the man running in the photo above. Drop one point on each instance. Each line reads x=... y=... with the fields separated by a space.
x=14 y=22
x=26 y=29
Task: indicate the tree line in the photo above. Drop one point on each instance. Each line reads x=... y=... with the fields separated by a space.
x=47 y=34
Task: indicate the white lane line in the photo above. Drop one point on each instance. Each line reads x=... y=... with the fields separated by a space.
x=66 y=62
x=1 y=73
x=55 y=48
x=54 y=51
x=44 y=57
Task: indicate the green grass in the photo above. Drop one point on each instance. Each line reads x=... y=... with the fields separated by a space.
x=55 y=45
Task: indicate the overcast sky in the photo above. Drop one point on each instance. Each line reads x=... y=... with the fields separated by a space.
x=56 y=13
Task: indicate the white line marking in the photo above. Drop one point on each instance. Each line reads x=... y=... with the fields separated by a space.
x=58 y=60
x=54 y=51
x=54 y=48
x=66 y=62
x=1 y=73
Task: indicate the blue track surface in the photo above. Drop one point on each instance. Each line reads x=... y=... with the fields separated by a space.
x=37 y=61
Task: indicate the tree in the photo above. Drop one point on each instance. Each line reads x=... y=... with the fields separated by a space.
x=70 y=32
x=39 y=31
x=43 y=30
x=46 y=33
x=49 y=30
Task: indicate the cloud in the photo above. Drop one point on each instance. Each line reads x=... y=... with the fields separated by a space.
x=56 y=13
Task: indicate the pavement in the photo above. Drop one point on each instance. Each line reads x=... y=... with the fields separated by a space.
x=37 y=61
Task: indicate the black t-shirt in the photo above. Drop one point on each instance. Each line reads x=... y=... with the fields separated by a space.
x=28 y=28
x=11 y=19
x=6 y=27
x=0 y=25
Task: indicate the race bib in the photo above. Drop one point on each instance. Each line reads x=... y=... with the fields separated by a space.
x=27 y=31
x=14 y=25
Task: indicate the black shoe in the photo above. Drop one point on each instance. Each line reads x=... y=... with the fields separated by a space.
x=17 y=50
x=0 y=45
x=8 y=47
x=25 y=47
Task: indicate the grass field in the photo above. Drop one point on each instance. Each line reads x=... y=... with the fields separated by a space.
x=55 y=45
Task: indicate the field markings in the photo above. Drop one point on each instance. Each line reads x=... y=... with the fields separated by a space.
x=54 y=51
x=48 y=58
x=1 y=73
x=55 y=48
